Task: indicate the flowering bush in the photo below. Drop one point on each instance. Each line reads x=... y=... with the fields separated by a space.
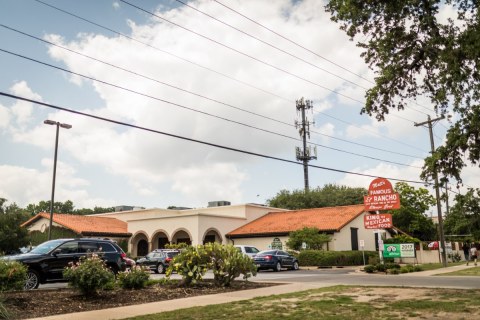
x=12 y=275
x=136 y=278
x=89 y=275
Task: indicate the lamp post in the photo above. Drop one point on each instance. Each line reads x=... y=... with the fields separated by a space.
x=66 y=126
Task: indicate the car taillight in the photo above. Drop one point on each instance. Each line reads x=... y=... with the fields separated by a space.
x=268 y=257
x=123 y=255
x=168 y=259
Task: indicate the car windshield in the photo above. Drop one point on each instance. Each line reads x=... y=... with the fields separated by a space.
x=46 y=246
x=266 y=252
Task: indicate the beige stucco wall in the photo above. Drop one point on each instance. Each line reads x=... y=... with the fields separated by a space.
x=42 y=225
x=195 y=222
x=341 y=241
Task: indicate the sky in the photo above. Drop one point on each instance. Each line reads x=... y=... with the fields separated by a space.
x=187 y=89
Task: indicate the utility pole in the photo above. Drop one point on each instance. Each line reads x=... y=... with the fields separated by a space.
x=437 y=191
x=304 y=154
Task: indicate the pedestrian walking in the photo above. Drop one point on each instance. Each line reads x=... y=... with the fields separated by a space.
x=473 y=254
x=466 y=251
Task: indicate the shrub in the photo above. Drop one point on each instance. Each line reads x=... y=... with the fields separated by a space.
x=12 y=275
x=228 y=263
x=4 y=314
x=392 y=265
x=369 y=268
x=394 y=271
x=381 y=267
x=89 y=275
x=191 y=264
x=135 y=278
x=417 y=268
x=333 y=258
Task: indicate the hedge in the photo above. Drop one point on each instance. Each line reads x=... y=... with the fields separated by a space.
x=322 y=258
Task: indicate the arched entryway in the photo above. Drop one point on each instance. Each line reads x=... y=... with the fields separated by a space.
x=159 y=240
x=212 y=235
x=140 y=245
x=181 y=236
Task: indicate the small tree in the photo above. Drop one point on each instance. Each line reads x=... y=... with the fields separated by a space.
x=310 y=236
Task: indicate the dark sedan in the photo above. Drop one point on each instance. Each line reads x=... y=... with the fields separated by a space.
x=158 y=260
x=275 y=260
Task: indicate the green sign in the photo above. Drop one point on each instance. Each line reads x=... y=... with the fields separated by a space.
x=399 y=250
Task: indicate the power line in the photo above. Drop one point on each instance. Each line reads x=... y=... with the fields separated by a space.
x=195 y=140
x=301 y=46
x=244 y=54
x=271 y=45
x=195 y=110
x=218 y=73
x=200 y=95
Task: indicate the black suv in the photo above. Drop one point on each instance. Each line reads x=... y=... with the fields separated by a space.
x=46 y=262
x=158 y=260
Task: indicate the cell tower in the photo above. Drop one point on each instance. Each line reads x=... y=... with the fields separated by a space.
x=304 y=154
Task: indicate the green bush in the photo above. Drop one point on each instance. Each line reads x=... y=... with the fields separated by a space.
x=381 y=267
x=392 y=265
x=227 y=263
x=12 y=275
x=191 y=264
x=135 y=278
x=89 y=275
x=369 y=268
x=417 y=268
x=322 y=258
x=394 y=271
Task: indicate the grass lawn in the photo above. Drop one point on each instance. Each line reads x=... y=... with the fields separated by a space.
x=475 y=271
x=433 y=266
x=342 y=302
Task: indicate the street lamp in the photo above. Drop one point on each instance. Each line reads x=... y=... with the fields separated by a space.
x=66 y=126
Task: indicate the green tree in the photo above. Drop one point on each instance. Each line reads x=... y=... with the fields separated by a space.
x=44 y=206
x=411 y=218
x=464 y=216
x=330 y=195
x=12 y=236
x=414 y=54
x=310 y=236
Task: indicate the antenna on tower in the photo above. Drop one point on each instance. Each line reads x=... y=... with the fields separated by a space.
x=304 y=153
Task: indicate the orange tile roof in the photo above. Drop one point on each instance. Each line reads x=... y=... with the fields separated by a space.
x=325 y=219
x=86 y=225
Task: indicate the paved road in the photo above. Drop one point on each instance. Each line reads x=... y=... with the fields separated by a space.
x=348 y=276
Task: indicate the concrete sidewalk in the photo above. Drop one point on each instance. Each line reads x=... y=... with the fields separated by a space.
x=169 y=305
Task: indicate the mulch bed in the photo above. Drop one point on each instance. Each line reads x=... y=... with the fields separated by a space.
x=41 y=303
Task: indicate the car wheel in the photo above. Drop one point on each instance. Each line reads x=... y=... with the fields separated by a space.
x=32 y=281
x=295 y=265
x=278 y=267
x=160 y=268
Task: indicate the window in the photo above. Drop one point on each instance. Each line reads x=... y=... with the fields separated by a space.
x=69 y=247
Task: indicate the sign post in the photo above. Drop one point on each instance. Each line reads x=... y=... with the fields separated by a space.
x=362 y=245
x=380 y=197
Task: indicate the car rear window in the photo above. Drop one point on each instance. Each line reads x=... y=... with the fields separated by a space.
x=172 y=254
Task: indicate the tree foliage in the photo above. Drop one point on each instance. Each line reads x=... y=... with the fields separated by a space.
x=12 y=236
x=464 y=216
x=330 y=195
x=414 y=54
x=312 y=237
x=411 y=218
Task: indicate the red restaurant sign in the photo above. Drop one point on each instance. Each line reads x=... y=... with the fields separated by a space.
x=377 y=221
x=381 y=196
